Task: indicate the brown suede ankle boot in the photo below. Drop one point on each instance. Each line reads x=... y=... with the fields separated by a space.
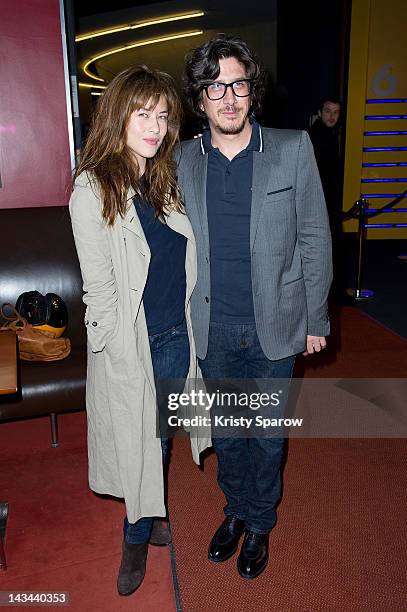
x=132 y=567
x=160 y=534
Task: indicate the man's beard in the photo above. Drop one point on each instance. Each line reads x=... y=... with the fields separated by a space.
x=232 y=128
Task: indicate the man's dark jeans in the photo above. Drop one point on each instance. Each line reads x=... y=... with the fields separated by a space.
x=170 y=357
x=248 y=468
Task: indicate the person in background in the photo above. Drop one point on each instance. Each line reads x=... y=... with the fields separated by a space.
x=137 y=256
x=324 y=134
x=257 y=208
x=325 y=137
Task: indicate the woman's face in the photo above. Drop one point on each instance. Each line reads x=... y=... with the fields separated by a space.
x=146 y=130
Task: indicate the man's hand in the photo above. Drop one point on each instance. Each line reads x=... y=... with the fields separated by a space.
x=314 y=344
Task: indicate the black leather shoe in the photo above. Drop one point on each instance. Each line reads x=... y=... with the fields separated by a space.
x=132 y=568
x=226 y=539
x=254 y=555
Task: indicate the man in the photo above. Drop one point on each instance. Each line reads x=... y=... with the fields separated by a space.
x=329 y=111
x=324 y=134
x=255 y=201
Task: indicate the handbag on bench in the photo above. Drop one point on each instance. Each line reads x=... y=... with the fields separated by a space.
x=34 y=344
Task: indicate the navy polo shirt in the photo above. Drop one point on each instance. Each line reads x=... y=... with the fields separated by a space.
x=164 y=292
x=228 y=200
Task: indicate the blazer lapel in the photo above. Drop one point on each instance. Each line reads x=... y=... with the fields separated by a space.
x=262 y=163
x=200 y=169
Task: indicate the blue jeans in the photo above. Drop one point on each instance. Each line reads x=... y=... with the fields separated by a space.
x=248 y=468
x=170 y=357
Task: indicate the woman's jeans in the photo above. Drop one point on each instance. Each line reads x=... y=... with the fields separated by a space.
x=170 y=357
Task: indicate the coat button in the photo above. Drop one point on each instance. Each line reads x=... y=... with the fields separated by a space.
x=94 y=323
x=206 y=299
x=86 y=322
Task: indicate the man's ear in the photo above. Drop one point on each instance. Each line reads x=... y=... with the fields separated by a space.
x=201 y=104
x=319 y=114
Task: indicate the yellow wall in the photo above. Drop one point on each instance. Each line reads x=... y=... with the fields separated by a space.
x=377 y=70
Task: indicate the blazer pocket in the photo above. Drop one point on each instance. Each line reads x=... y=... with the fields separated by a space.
x=291 y=282
x=280 y=195
x=279 y=190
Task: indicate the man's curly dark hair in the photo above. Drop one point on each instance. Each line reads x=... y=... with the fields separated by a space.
x=202 y=68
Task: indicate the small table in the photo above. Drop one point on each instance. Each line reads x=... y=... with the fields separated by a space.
x=8 y=362
x=8 y=385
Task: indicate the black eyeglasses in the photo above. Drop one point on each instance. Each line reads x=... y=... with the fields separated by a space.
x=241 y=89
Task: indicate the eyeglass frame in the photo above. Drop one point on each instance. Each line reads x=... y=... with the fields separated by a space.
x=226 y=85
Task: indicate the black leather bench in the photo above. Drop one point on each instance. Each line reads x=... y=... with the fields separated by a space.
x=38 y=253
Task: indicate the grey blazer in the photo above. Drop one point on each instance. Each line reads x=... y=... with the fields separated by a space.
x=290 y=242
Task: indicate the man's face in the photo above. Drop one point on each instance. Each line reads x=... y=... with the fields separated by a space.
x=229 y=114
x=330 y=113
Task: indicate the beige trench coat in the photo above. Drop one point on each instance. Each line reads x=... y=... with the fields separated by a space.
x=124 y=452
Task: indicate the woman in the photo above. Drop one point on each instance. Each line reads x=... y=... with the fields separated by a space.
x=138 y=261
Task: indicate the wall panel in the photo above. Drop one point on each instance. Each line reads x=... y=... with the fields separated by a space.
x=376 y=131
x=34 y=142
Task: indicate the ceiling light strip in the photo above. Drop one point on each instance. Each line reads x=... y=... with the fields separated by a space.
x=141 y=43
x=92 y=86
x=141 y=24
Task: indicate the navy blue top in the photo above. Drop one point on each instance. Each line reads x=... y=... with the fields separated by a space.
x=164 y=293
x=228 y=200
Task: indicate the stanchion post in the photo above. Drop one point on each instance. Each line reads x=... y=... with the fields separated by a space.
x=358 y=293
x=361 y=236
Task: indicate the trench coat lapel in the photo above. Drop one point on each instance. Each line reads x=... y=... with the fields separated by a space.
x=131 y=222
x=179 y=223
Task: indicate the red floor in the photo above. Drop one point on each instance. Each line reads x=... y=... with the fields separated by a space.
x=60 y=536
x=339 y=544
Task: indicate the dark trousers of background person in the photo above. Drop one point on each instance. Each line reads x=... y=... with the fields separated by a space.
x=170 y=357
x=249 y=469
x=340 y=277
x=333 y=198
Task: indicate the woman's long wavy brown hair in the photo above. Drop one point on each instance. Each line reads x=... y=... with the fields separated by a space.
x=108 y=159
